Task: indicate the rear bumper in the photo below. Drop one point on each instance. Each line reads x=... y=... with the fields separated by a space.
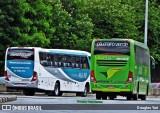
x=18 y=85
x=96 y=87
x=110 y=90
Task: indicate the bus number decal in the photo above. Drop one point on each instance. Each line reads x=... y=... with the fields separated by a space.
x=83 y=75
x=103 y=58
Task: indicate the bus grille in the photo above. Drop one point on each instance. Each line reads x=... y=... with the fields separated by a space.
x=111 y=62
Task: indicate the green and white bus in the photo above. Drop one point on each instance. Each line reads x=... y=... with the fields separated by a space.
x=120 y=67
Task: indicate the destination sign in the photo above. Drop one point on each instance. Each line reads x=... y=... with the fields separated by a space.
x=111 y=44
x=20 y=53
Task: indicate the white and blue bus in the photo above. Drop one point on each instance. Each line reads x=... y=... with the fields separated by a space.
x=51 y=70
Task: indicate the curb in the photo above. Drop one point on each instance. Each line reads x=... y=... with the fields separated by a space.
x=8 y=98
x=154 y=96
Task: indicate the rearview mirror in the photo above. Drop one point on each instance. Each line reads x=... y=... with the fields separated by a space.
x=152 y=61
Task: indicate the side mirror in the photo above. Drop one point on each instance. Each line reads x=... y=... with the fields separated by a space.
x=152 y=61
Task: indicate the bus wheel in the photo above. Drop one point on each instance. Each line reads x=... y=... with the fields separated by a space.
x=60 y=93
x=78 y=94
x=104 y=96
x=143 y=97
x=50 y=93
x=111 y=97
x=98 y=96
x=129 y=97
x=135 y=96
x=84 y=94
x=57 y=89
x=29 y=92
x=25 y=92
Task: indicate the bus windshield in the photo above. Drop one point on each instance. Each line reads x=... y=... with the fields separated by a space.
x=20 y=54
x=112 y=47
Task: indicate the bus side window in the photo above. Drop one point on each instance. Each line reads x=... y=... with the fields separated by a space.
x=73 y=61
x=40 y=56
x=49 y=62
x=52 y=60
x=142 y=56
x=69 y=61
x=55 y=60
x=77 y=63
x=60 y=61
x=43 y=59
x=63 y=61
x=84 y=62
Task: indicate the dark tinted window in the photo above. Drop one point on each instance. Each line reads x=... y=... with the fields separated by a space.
x=142 y=56
x=65 y=61
x=19 y=54
x=84 y=63
x=112 y=47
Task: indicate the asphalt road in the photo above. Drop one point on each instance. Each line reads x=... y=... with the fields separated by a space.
x=71 y=103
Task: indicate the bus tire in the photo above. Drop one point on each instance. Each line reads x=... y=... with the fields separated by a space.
x=84 y=93
x=143 y=97
x=50 y=93
x=111 y=97
x=29 y=92
x=56 y=91
x=78 y=94
x=98 y=95
x=135 y=96
x=25 y=92
x=104 y=96
x=147 y=92
x=60 y=93
x=129 y=97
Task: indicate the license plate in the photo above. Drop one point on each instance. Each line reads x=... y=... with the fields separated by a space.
x=111 y=87
x=19 y=84
x=25 y=79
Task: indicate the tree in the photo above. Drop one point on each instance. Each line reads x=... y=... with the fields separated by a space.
x=73 y=28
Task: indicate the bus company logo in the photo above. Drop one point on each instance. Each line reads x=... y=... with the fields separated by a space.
x=105 y=74
x=112 y=44
x=111 y=72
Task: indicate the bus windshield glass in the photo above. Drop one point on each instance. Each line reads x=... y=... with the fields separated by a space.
x=112 y=47
x=20 y=54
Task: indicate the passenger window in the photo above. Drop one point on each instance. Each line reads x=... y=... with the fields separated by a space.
x=77 y=62
x=60 y=61
x=73 y=61
x=69 y=61
x=43 y=58
x=55 y=61
x=84 y=63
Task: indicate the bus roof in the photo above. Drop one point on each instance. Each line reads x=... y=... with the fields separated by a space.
x=67 y=51
x=129 y=40
x=61 y=51
x=22 y=47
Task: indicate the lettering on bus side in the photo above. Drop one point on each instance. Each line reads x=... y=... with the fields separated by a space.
x=103 y=81
x=107 y=81
x=83 y=75
x=103 y=57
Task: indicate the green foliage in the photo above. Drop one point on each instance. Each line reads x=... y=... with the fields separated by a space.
x=153 y=29
x=72 y=24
